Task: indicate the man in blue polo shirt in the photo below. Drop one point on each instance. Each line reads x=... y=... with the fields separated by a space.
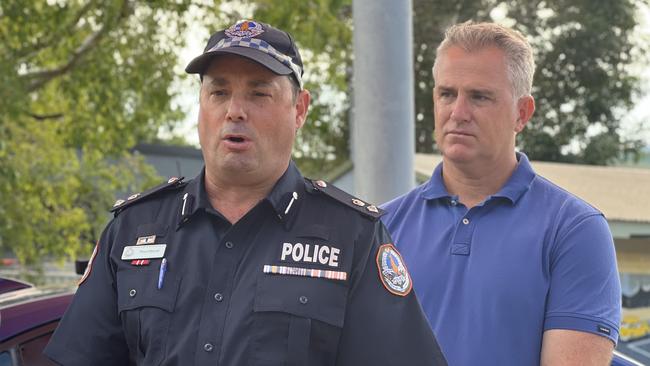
x=510 y=269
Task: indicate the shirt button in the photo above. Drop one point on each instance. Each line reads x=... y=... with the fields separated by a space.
x=229 y=245
x=218 y=297
x=454 y=202
x=208 y=347
x=465 y=221
x=303 y=299
x=132 y=292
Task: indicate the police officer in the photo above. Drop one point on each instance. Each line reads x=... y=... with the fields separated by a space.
x=249 y=263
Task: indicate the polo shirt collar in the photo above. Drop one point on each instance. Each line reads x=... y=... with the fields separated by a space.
x=518 y=183
x=520 y=180
x=435 y=187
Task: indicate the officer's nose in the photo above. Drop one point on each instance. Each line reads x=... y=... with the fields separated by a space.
x=236 y=109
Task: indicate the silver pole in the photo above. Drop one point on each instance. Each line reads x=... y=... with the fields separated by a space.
x=383 y=123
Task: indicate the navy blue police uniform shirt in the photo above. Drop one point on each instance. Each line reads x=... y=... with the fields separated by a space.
x=306 y=277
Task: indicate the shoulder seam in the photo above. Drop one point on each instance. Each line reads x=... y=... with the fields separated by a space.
x=363 y=207
x=121 y=204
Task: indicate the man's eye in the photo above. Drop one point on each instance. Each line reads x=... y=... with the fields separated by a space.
x=218 y=93
x=480 y=97
x=260 y=94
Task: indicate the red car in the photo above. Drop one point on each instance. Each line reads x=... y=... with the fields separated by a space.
x=28 y=317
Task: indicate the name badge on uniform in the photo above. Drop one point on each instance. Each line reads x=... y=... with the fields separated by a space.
x=146 y=240
x=151 y=251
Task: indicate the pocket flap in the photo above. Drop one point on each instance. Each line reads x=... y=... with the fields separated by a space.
x=314 y=298
x=138 y=287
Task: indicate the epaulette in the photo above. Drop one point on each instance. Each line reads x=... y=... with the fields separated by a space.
x=120 y=204
x=334 y=192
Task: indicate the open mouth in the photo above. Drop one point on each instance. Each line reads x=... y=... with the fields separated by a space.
x=235 y=139
x=237 y=142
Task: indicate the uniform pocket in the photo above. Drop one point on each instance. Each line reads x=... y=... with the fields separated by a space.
x=145 y=311
x=297 y=320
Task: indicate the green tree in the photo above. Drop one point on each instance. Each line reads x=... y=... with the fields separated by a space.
x=81 y=83
x=584 y=50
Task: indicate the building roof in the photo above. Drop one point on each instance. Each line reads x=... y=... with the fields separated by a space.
x=169 y=150
x=621 y=193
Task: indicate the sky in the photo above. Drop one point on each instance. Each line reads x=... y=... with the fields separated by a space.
x=635 y=123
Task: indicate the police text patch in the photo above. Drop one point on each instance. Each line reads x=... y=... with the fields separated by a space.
x=311 y=253
x=392 y=271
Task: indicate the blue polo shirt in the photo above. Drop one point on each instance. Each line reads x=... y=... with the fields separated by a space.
x=493 y=278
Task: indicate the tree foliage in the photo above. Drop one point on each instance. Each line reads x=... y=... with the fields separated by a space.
x=81 y=83
x=583 y=84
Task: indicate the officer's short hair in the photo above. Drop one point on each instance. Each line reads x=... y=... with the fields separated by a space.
x=472 y=36
x=295 y=88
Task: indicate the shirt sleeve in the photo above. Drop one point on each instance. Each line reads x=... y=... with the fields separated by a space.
x=585 y=291
x=90 y=332
x=384 y=325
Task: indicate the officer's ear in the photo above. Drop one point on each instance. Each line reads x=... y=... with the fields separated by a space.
x=302 y=107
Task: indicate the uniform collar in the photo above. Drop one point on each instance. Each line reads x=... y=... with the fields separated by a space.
x=287 y=194
x=196 y=188
x=518 y=183
x=193 y=199
x=284 y=198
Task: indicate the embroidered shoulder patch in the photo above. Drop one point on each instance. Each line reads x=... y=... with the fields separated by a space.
x=89 y=266
x=392 y=271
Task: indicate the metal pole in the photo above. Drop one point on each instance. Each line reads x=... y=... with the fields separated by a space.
x=383 y=123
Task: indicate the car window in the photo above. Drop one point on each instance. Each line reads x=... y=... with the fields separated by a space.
x=5 y=359
x=32 y=351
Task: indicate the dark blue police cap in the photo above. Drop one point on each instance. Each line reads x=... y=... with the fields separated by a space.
x=260 y=42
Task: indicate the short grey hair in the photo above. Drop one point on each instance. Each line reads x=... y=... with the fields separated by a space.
x=472 y=37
